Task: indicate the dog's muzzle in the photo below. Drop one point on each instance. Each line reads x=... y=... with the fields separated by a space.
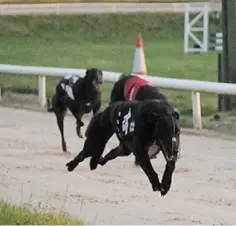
x=98 y=87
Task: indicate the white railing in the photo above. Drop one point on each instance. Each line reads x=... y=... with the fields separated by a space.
x=184 y=84
x=95 y=8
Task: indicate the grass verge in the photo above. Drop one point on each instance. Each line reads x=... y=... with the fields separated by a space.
x=14 y=215
x=105 y=41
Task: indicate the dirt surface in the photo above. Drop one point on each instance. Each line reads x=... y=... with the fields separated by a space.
x=33 y=171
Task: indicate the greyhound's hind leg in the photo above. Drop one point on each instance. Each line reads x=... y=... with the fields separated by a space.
x=119 y=151
x=60 y=122
x=74 y=163
x=85 y=153
x=60 y=112
x=96 y=157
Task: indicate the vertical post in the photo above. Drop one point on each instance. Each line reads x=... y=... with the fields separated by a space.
x=42 y=90
x=231 y=45
x=186 y=28
x=196 y=107
x=225 y=54
x=0 y=93
x=205 y=28
x=220 y=79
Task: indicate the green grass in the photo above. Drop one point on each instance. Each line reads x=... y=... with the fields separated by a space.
x=12 y=215
x=107 y=42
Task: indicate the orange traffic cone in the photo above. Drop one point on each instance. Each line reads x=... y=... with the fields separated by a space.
x=139 y=64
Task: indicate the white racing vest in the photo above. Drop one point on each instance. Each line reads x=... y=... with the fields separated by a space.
x=72 y=79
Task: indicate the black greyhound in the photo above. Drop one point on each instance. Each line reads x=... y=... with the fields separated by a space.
x=135 y=88
x=80 y=96
x=137 y=124
x=132 y=87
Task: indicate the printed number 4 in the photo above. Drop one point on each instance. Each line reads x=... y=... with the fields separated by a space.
x=126 y=125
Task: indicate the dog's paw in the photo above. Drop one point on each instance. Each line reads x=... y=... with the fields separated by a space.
x=102 y=161
x=64 y=148
x=80 y=135
x=71 y=165
x=156 y=187
x=163 y=192
x=136 y=163
x=93 y=163
x=165 y=187
x=78 y=131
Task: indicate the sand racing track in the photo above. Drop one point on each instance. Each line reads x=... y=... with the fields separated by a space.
x=33 y=171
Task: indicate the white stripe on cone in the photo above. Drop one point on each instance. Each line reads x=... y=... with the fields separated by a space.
x=139 y=64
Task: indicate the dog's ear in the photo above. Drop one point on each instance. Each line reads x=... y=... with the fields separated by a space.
x=122 y=76
x=100 y=76
x=87 y=77
x=101 y=72
x=88 y=71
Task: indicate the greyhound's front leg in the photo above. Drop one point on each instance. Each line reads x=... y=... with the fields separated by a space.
x=78 y=115
x=167 y=177
x=141 y=153
x=79 y=124
x=77 y=111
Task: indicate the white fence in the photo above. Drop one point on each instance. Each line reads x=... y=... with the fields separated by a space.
x=184 y=84
x=190 y=30
x=95 y=8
